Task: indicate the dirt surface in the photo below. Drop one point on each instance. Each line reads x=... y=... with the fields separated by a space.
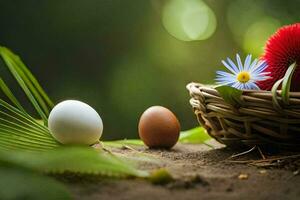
x=200 y=173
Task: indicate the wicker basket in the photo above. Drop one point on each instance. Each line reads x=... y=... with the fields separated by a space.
x=256 y=120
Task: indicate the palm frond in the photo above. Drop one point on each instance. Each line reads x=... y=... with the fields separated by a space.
x=32 y=79
x=27 y=82
x=10 y=95
x=80 y=160
x=18 y=130
x=21 y=132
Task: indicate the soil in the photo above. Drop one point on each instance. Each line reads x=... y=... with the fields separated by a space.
x=200 y=172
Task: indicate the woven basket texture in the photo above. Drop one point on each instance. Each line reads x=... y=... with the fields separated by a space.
x=254 y=121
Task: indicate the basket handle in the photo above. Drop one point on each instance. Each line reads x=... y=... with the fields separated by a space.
x=285 y=89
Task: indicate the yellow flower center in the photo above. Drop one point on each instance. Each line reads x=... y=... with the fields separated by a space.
x=243 y=77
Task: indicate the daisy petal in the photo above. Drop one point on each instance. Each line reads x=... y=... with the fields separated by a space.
x=253 y=86
x=247 y=62
x=230 y=67
x=253 y=64
x=236 y=85
x=224 y=83
x=265 y=73
x=260 y=67
x=231 y=63
x=240 y=65
x=260 y=78
x=225 y=74
x=225 y=79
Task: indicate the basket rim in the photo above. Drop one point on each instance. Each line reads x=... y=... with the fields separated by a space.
x=212 y=87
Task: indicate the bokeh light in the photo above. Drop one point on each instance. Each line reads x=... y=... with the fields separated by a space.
x=258 y=33
x=189 y=20
x=251 y=25
x=241 y=14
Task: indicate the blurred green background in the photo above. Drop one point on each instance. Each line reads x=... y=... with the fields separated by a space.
x=123 y=56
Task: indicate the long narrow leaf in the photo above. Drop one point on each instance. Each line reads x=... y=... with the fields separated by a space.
x=30 y=76
x=26 y=134
x=10 y=95
x=21 y=132
x=14 y=124
x=16 y=146
x=275 y=95
x=286 y=83
x=14 y=139
x=19 y=141
x=25 y=124
x=26 y=80
x=11 y=65
x=22 y=115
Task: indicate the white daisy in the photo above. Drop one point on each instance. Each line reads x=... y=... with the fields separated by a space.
x=243 y=76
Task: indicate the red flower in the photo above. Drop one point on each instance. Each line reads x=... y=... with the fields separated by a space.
x=282 y=49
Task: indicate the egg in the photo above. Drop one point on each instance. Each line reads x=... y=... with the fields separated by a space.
x=75 y=122
x=159 y=128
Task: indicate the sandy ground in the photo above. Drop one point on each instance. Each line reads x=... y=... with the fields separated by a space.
x=200 y=173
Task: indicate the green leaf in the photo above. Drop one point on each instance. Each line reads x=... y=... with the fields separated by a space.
x=16 y=183
x=19 y=131
x=29 y=91
x=274 y=94
x=23 y=115
x=196 y=135
x=10 y=95
x=229 y=94
x=81 y=160
x=286 y=83
x=32 y=79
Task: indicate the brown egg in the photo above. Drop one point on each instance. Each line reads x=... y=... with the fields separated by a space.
x=159 y=127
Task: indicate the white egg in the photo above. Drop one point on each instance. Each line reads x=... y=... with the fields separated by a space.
x=75 y=122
